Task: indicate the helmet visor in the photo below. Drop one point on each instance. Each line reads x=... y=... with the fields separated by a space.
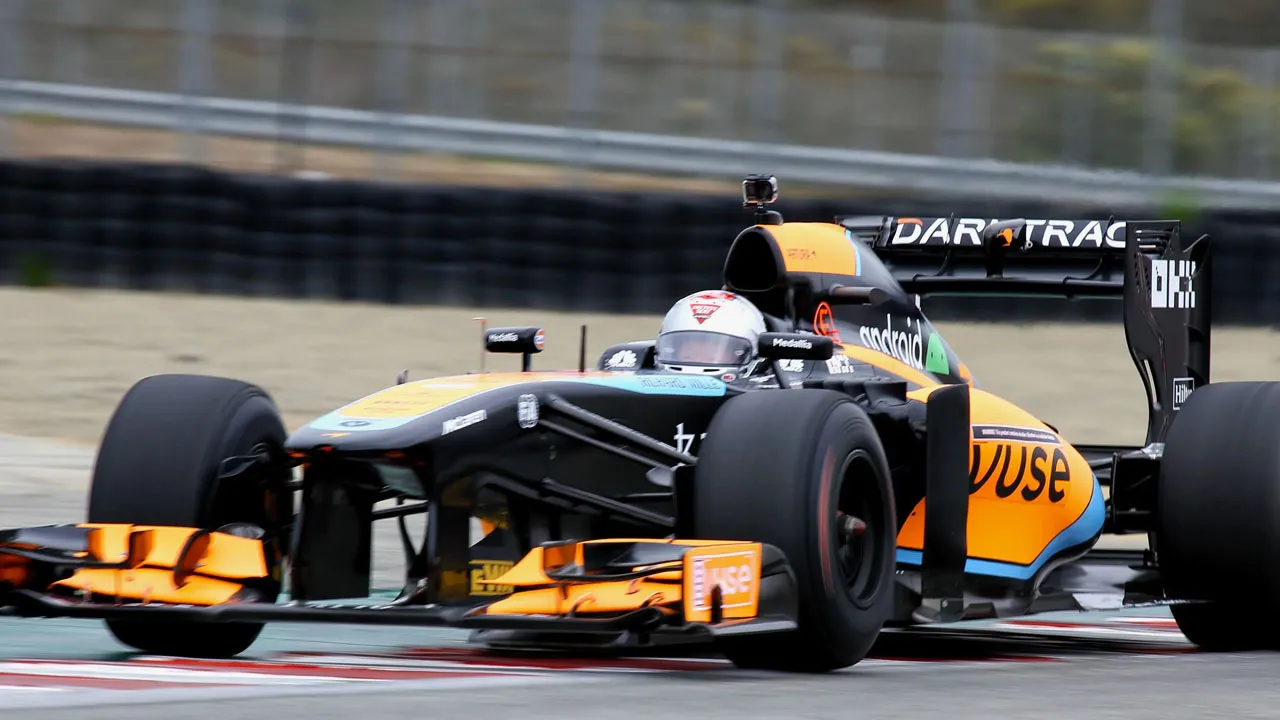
x=698 y=347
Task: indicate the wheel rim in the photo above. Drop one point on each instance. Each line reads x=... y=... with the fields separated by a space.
x=858 y=544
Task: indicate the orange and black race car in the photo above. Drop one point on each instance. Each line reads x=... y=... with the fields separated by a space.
x=870 y=483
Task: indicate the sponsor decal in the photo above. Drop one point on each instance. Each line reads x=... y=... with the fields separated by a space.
x=935 y=357
x=484 y=572
x=1014 y=433
x=905 y=345
x=527 y=411
x=841 y=365
x=793 y=343
x=354 y=423
x=1182 y=388
x=824 y=323
x=1171 y=284
x=735 y=573
x=704 y=305
x=1088 y=234
x=801 y=253
x=622 y=359
x=685 y=441
x=703 y=310
x=699 y=579
x=679 y=382
x=1030 y=471
x=792 y=365
x=463 y=421
x=728 y=377
x=503 y=337
x=689 y=386
x=539 y=339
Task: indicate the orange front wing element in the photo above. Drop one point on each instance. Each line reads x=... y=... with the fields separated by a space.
x=700 y=580
x=167 y=564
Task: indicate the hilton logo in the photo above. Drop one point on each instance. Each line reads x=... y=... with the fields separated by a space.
x=1182 y=388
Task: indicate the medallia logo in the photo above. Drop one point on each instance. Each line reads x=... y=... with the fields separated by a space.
x=905 y=345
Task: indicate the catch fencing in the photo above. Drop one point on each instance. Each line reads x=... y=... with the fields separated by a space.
x=1170 y=87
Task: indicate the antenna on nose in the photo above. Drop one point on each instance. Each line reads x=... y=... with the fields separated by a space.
x=484 y=329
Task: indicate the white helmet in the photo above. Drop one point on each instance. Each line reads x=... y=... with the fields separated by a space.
x=710 y=332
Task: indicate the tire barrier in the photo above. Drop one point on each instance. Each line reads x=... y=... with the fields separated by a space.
x=187 y=228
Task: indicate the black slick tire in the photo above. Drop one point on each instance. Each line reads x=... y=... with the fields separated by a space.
x=158 y=464
x=775 y=467
x=1218 y=501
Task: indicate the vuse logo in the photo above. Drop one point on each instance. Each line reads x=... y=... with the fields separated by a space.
x=735 y=573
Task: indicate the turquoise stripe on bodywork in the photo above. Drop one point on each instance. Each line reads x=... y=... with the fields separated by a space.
x=684 y=385
x=1085 y=527
x=657 y=384
x=333 y=422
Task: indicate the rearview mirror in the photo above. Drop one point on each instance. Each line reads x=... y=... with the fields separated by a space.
x=795 y=346
x=523 y=340
x=514 y=340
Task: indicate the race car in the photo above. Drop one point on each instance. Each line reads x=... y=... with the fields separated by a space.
x=862 y=479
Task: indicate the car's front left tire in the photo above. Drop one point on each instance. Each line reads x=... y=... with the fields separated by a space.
x=785 y=468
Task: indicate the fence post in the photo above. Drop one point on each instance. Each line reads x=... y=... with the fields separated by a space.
x=724 y=53
x=584 y=72
x=766 y=85
x=1163 y=87
x=1256 y=145
x=12 y=51
x=69 y=56
x=194 y=75
x=295 y=81
x=1078 y=108
x=868 y=58
x=393 y=54
x=957 y=109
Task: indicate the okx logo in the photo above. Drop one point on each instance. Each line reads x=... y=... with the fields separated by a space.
x=1171 y=284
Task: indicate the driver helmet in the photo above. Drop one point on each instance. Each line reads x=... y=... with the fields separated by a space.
x=710 y=332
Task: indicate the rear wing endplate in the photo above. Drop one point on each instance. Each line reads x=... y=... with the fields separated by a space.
x=1163 y=280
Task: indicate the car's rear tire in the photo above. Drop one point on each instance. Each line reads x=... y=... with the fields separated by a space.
x=158 y=465
x=774 y=468
x=1219 y=502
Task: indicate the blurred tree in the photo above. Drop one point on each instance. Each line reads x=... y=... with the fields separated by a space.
x=1214 y=104
x=1235 y=22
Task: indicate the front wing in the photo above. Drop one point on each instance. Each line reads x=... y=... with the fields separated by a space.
x=636 y=587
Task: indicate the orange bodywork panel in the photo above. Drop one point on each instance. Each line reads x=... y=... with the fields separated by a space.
x=228 y=556
x=708 y=572
x=1027 y=484
x=218 y=571
x=151 y=585
x=814 y=248
x=413 y=399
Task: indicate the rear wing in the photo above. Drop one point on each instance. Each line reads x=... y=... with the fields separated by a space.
x=1163 y=281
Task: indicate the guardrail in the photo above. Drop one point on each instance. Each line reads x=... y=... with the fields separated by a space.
x=629 y=151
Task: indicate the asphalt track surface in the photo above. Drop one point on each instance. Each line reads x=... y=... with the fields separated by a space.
x=1131 y=664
